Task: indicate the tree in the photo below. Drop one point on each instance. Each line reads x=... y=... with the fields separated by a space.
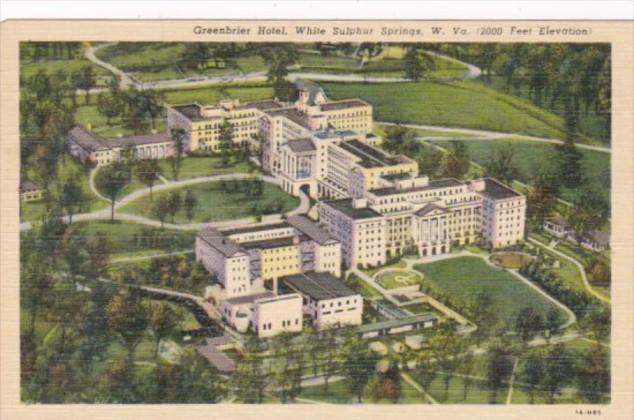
x=178 y=136
x=201 y=384
x=73 y=198
x=162 y=320
x=331 y=356
x=532 y=374
x=456 y=162
x=501 y=164
x=175 y=204
x=499 y=367
x=111 y=181
x=196 y=55
x=598 y=319
x=251 y=377
x=189 y=204
x=430 y=162
x=467 y=364
x=569 y=156
x=161 y=208
x=412 y=65
x=127 y=317
x=558 y=371
x=84 y=79
x=153 y=104
x=359 y=366
x=481 y=310
x=553 y=322
x=148 y=171
x=109 y=106
x=279 y=57
x=225 y=141
x=593 y=378
x=527 y=323
x=599 y=272
x=289 y=374
x=541 y=199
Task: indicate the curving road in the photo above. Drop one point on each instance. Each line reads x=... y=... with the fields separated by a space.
x=127 y=80
x=104 y=214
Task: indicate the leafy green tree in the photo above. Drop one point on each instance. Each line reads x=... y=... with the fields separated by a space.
x=501 y=164
x=558 y=371
x=84 y=79
x=467 y=367
x=161 y=208
x=541 y=199
x=175 y=203
x=111 y=181
x=279 y=57
x=162 y=319
x=189 y=204
x=598 y=320
x=109 y=106
x=73 y=198
x=359 y=366
x=593 y=378
x=499 y=367
x=528 y=323
x=196 y=55
x=532 y=374
x=252 y=376
x=201 y=384
x=127 y=318
x=570 y=168
x=225 y=141
x=148 y=171
x=176 y=160
x=553 y=322
x=430 y=162
x=482 y=314
x=456 y=164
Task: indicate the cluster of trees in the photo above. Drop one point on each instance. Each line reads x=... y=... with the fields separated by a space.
x=571 y=79
x=172 y=203
x=433 y=162
x=135 y=108
x=67 y=330
x=43 y=51
x=278 y=366
x=417 y=64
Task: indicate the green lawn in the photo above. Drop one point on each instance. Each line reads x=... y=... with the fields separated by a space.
x=533 y=158
x=338 y=394
x=396 y=279
x=209 y=95
x=420 y=308
x=214 y=204
x=461 y=278
x=159 y=60
x=67 y=168
x=51 y=67
x=128 y=238
x=195 y=167
x=362 y=287
x=455 y=104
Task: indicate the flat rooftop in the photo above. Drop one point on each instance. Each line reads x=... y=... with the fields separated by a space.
x=496 y=190
x=217 y=240
x=344 y=104
x=269 y=243
x=371 y=157
x=89 y=141
x=256 y=228
x=292 y=114
x=394 y=323
x=191 y=111
x=310 y=228
x=240 y=300
x=301 y=145
x=344 y=205
x=433 y=185
x=319 y=286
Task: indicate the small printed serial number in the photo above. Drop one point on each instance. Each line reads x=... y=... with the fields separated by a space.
x=490 y=31
x=592 y=412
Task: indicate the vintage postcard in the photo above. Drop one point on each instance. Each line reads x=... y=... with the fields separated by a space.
x=233 y=219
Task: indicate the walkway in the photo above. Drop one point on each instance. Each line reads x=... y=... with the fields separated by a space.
x=407 y=378
x=579 y=266
x=481 y=135
x=104 y=214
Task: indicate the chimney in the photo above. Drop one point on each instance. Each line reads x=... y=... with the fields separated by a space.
x=359 y=203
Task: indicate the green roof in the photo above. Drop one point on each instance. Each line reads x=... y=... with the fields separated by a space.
x=344 y=205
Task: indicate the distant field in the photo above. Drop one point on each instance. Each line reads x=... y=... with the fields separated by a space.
x=52 y=67
x=533 y=158
x=215 y=204
x=461 y=278
x=454 y=104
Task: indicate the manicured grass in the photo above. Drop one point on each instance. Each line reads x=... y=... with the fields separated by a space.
x=509 y=259
x=461 y=278
x=128 y=238
x=195 y=167
x=420 y=308
x=158 y=61
x=362 y=287
x=215 y=204
x=210 y=95
x=396 y=279
x=451 y=104
x=372 y=271
x=338 y=393
x=532 y=159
